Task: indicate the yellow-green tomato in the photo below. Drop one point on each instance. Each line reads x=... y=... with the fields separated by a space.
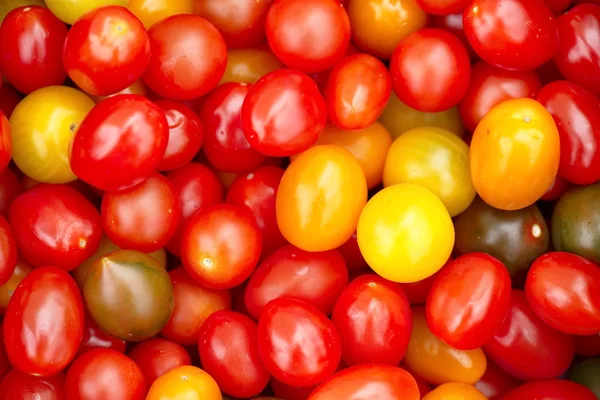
x=436 y=159
x=69 y=11
x=43 y=124
x=405 y=233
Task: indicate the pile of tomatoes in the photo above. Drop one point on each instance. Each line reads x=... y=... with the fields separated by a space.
x=300 y=199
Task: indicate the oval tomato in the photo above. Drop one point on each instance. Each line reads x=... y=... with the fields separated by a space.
x=187 y=381
x=156 y=357
x=555 y=389
x=19 y=385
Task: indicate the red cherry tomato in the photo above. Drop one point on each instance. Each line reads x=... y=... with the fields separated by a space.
x=352 y=255
x=468 y=301
x=43 y=324
x=558 y=188
x=156 y=357
x=55 y=225
x=225 y=146
x=283 y=113
x=228 y=349
x=496 y=382
x=443 y=7
x=525 y=41
x=188 y=57
x=94 y=337
x=298 y=344
x=551 y=390
x=18 y=385
x=453 y=23
x=426 y=56
x=8 y=251
x=5 y=142
x=526 y=347
x=308 y=35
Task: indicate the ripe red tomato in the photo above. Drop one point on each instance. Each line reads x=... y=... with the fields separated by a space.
x=94 y=337
x=8 y=251
x=443 y=7
x=495 y=382
x=55 y=225
x=525 y=41
x=555 y=389
x=156 y=357
x=430 y=55
x=10 y=187
x=298 y=344
x=283 y=113
x=43 y=324
x=185 y=72
x=5 y=142
x=18 y=385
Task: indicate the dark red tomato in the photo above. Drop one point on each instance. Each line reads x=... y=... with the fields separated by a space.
x=430 y=70
x=185 y=134
x=352 y=255
x=143 y=217
x=492 y=85
x=106 y=50
x=8 y=251
x=55 y=225
x=558 y=6
x=228 y=348
x=221 y=246
x=186 y=72
x=308 y=35
x=101 y=374
x=496 y=382
x=5 y=366
x=9 y=98
x=298 y=344
x=525 y=41
x=5 y=142
x=156 y=357
x=575 y=112
x=550 y=390
x=283 y=113
x=588 y=346
x=578 y=56
x=526 y=347
x=558 y=188
x=197 y=186
x=120 y=142
x=288 y=392
x=374 y=316
x=225 y=145
x=18 y=385
x=443 y=7
x=43 y=324
x=368 y=382
x=468 y=301
x=357 y=91
x=31 y=48
x=317 y=278
x=94 y=337
x=563 y=289
x=453 y=23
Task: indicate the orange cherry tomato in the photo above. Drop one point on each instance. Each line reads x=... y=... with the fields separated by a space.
x=185 y=382
x=455 y=391
x=515 y=152
x=249 y=65
x=152 y=11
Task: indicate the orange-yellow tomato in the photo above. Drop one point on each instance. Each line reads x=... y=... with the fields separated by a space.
x=436 y=159
x=136 y=87
x=7 y=6
x=248 y=65
x=438 y=363
x=379 y=25
x=399 y=118
x=69 y=11
x=405 y=233
x=320 y=198
x=515 y=152
x=184 y=383
x=152 y=11
x=455 y=391
x=22 y=269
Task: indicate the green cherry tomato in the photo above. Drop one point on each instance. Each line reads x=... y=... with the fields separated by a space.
x=587 y=373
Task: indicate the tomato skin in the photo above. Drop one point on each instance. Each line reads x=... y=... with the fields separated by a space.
x=522 y=43
x=455 y=391
x=352 y=255
x=238 y=370
x=188 y=381
x=22 y=269
x=42 y=337
x=9 y=98
x=8 y=251
x=156 y=357
x=94 y=337
x=185 y=72
x=10 y=188
x=283 y=391
x=558 y=188
x=300 y=117
x=152 y=11
x=297 y=343
x=550 y=389
x=249 y=65
x=558 y=6
x=496 y=382
x=19 y=385
x=5 y=366
x=444 y=7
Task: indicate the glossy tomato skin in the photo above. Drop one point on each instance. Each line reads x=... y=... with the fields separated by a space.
x=152 y=11
x=523 y=43
x=574 y=109
x=156 y=357
x=496 y=382
x=455 y=390
x=8 y=251
x=139 y=132
x=43 y=241
x=94 y=337
x=249 y=65
x=19 y=385
x=186 y=380
x=185 y=72
x=444 y=7
x=550 y=389
x=32 y=40
x=41 y=336
x=297 y=343
x=300 y=116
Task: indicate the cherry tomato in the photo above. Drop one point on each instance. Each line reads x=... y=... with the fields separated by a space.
x=352 y=255
x=9 y=5
x=249 y=65
x=72 y=10
x=152 y=11
x=452 y=23
x=156 y=357
x=8 y=251
x=496 y=382
x=430 y=55
x=18 y=385
x=320 y=198
x=455 y=391
x=283 y=113
x=523 y=42
x=586 y=374
x=555 y=389
x=187 y=72
x=417 y=292
x=188 y=381
x=22 y=268
x=93 y=337
x=139 y=134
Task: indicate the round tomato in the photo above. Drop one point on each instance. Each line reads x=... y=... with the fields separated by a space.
x=93 y=337
x=19 y=385
x=72 y=10
x=249 y=65
x=156 y=357
x=455 y=391
x=555 y=389
x=188 y=381
x=152 y=11
x=8 y=251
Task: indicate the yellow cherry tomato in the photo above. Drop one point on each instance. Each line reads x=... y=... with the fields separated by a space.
x=515 y=152
x=152 y=11
x=436 y=159
x=379 y=25
x=405 y=233
x=320 y=198
x=184 y=383
x=455 y=391
x=249 y=65
x=399 y=118
x=69 y=11
x=438 y=363
x=43 y=124
x=7 y=6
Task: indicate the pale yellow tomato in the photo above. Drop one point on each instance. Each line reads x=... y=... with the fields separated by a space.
x=436 y=159
x=7 y=6
x=455 y=391
x=405 y=233
x=248 y=65
x=152 y=11
x=43 y=124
